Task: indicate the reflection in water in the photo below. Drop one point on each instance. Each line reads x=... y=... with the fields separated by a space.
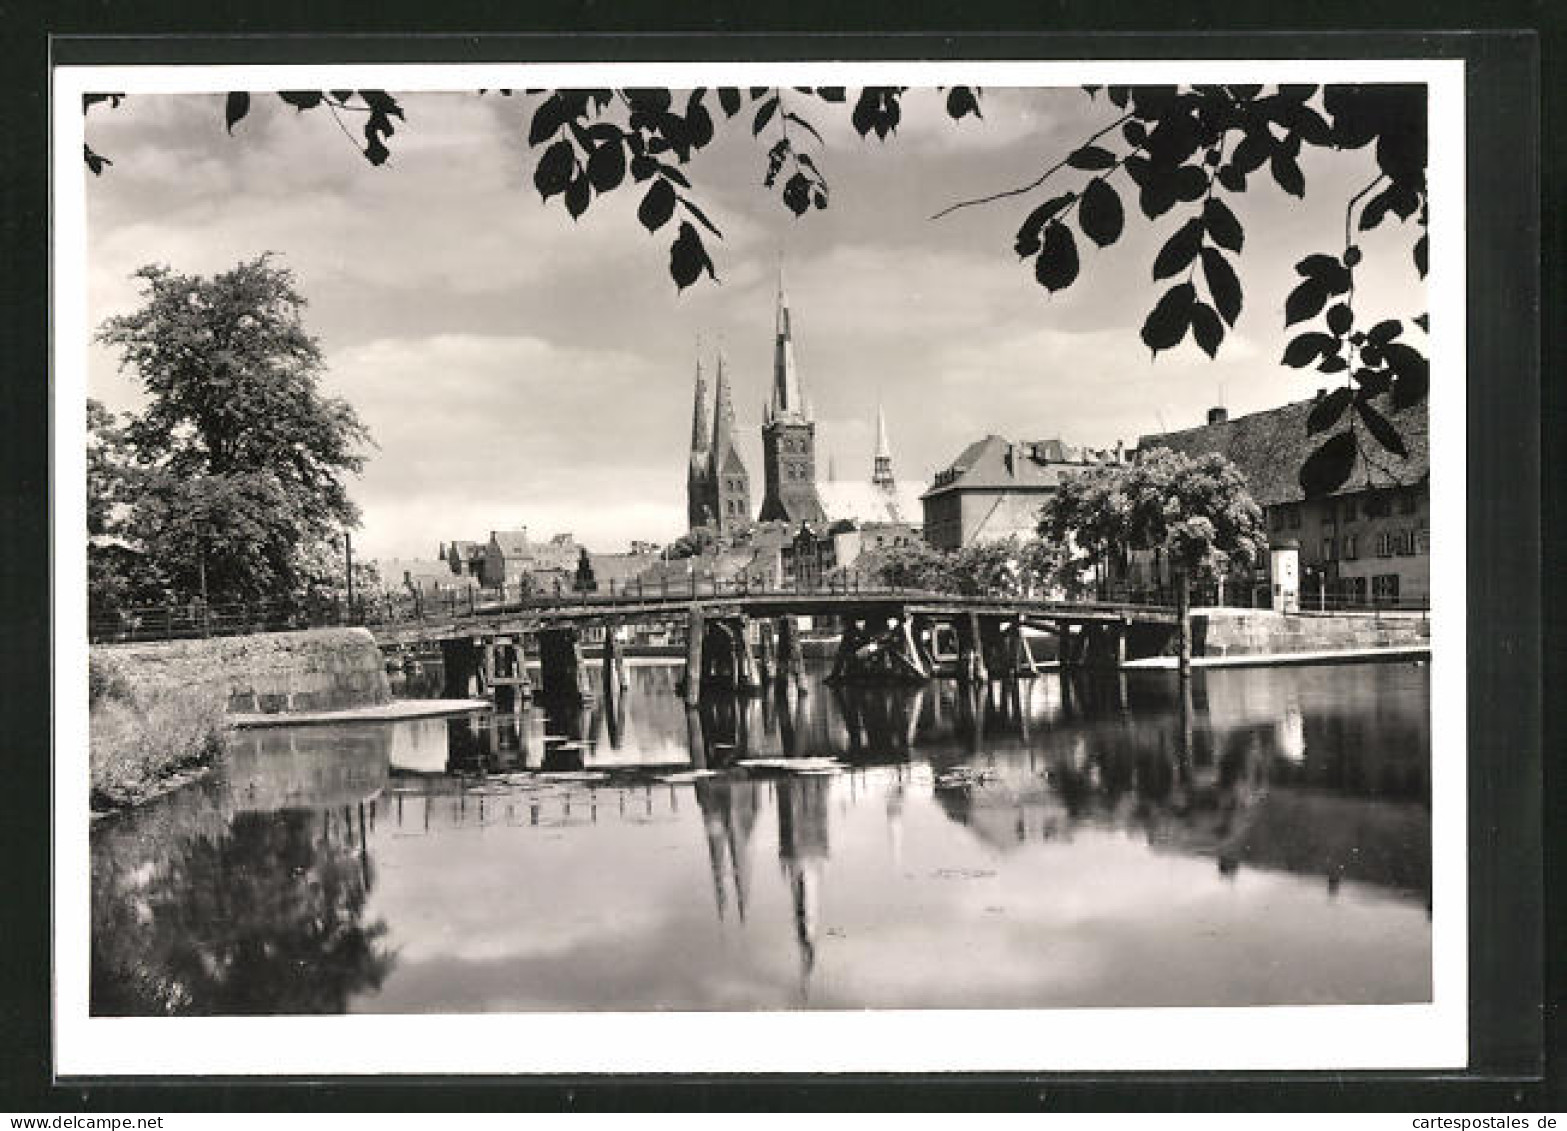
x=1067 y=840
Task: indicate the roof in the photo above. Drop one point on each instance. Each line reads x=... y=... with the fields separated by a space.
x=1269 y=448
x=867 y=502
x=465 y=549
x=619 y=568
x=995 y=463
x=424 y=574
x=512 y=543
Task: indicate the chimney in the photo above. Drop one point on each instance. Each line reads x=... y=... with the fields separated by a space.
x=1218 y=415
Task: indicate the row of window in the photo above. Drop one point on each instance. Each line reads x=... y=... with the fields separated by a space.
x=1389 y=543
x=1374 y=504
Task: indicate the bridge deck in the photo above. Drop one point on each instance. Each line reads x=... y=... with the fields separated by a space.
x=533 y=615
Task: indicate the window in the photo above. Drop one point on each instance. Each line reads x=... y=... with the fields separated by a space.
x=1349 y=510
x=1384 y=545
x=1327 y=549
x=1408 y=541
x=1384 y=587
x=1350 y=550
x=1422 y=541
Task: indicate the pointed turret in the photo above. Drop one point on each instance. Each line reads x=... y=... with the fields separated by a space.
x=723 y=417
x=788 y=434
x=699 y=480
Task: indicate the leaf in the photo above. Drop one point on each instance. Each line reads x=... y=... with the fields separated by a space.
x=1222 y=224
x=804 y=125
x=797 y=194
x=1190 y=182
x=1374 y=382
x=578 y=195
x=729 y=101
x=1340 y=318
x=237 y=106
x=1328 y=468
x=1413 y=373
x=1222 y=283
x=1091 y=157
x=1027 y=243
x=1252 y=151
x=554 y=169
x=658 y=205
x=1286 y=171
x=764 y=115
x=688 y=258
x=1167 y=322
x=1232 y=178
x=643 y=167
x=1423 y=321
x=1100 y=214
x=1384 y=332
x=607 y=166
x=1334 y=364
x=1179 y=250
x=1206 y=328
x=1135 y=133
x=1304 y=302
x=547 y=120
x=301 y=100
x=1056 y=267
x=1158 y=195
x=1421 y=254
x=830 y=93
x=94 y=162
x=961 y=102
x=690 y=206
x=1380 y=427
x=1329 y=410
x=1307 y=348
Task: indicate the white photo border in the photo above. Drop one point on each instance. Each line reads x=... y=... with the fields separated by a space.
x=1425 y=1036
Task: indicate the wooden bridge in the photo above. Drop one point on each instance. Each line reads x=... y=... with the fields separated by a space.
x=742 y=639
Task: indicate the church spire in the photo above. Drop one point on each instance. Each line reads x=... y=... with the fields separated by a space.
x=788 y=401
x=699 y=427
x=881 y=468
x=723 y=415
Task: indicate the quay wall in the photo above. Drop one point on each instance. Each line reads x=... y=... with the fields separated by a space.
x=319 y=669
x=1257 y=632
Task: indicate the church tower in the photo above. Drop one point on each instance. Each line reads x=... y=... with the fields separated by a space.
x=788 y=436
x=730 y=481
x=881 y=468
x=699 y=495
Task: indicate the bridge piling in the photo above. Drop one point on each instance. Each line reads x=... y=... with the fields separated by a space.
x=563 y=674
x=766 y=662
x=614 y=662
x=695 y=631
x=746 y=677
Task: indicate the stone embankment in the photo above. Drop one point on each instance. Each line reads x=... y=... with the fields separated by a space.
x=322 y=669
x=1219 y=633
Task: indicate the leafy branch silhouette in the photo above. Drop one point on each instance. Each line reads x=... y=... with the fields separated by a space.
x=1178 y=146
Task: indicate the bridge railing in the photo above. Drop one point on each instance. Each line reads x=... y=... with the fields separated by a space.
x=388 y=608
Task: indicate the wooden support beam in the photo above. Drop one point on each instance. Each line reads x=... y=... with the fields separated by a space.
x=615 y=680
x=696 y=630
x=563 y=674
x=746 y=675
x=766 y=652
x=971 y=653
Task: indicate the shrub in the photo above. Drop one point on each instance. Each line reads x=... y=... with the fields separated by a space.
x=139 y=740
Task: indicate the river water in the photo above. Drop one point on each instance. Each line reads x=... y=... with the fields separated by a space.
x=1093 y=841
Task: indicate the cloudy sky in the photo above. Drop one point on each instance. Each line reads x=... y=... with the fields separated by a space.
x=516 y=368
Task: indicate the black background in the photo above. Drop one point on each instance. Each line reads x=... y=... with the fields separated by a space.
x=1513 y=76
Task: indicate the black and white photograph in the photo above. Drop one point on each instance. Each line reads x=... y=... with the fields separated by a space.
x=708 y=567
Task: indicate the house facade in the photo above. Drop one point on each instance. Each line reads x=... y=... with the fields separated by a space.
x=995 y=488
x=1369 y=542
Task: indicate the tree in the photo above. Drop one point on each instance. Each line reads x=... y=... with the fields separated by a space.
x=697 y=542
x=118 y=574
x=1195 y=512
x=240 y=460
x=1178 y=145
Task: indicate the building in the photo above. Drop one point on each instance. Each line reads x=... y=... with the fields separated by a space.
x=412 y=575
x=1367 y=543
x=878 y=501
x=718 y=486
x=995 y=488
x=510 y=556
x=788 y=435
x=466 y=559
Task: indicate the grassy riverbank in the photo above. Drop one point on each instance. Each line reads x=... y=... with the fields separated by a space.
x=143 y=740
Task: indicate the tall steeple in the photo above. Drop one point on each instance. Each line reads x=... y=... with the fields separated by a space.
x=699 y=429
x=731 y=482
x=723 y=415
x=881 y=468
x=788 y=434
x=699 y=481
x=788 y=401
